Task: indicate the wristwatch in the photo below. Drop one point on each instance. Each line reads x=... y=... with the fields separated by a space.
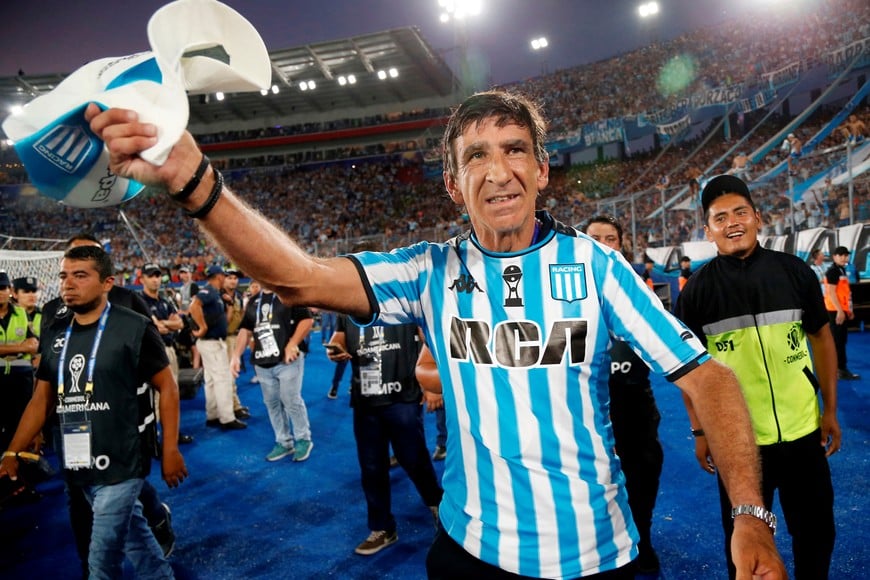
x=756 y=511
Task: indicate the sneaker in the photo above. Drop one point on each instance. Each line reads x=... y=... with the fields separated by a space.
x=440 y=453
x=377 y=541
x=233 y=425
x=242 y=413
x=333 y=393
x=163 y=533
x=303 y=449
x=847 y=375
x=279 y=452
x=212 y=422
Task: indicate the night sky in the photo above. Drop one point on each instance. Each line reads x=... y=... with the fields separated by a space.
x=50 y=36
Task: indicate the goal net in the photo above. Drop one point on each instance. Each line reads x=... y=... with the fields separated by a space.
x=42 y=265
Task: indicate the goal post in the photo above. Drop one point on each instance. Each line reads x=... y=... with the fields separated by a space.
x=42 y=265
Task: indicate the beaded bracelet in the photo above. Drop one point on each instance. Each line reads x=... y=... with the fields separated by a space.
x=213 y=197
x=191 y=185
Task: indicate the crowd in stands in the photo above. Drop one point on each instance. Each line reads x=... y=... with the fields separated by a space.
x=393 y=193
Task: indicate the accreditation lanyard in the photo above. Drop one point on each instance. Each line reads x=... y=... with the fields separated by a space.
x=92 y=360
x=77 y=434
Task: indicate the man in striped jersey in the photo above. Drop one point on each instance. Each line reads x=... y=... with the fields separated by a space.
x=519 y=314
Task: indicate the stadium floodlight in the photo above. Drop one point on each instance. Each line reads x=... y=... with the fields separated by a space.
x=539 y=43
x=264 y=92
x=382 y=74
x=15 y=109
x=351 y=79
x=219 y=96
x=459 y=10
x=342 y=81
x=275 y=89
x=648 y=9
x=394 y=72
x=303 y=86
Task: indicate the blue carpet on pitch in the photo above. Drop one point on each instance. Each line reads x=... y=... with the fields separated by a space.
x=239 y=516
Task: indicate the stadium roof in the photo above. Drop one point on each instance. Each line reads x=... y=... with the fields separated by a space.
x=424 y=80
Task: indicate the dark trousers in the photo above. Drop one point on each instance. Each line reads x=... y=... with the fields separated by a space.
x=81 y=516
x=447 y=560
x=16 y=388
x=635 y=419
x=399 y=425
x=841 y=334
x=800 y=471
x=338 y=373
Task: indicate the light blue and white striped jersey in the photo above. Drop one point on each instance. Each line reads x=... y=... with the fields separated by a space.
x=531 y=481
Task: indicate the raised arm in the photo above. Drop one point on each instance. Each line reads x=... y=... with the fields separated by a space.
x=719 y=407
x=240 y=231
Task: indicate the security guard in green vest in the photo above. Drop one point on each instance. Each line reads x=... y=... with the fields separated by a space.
x=18 y=344
x=25 y=291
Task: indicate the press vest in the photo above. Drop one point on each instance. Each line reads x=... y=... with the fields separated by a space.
x=754 y=315
x=841 y=289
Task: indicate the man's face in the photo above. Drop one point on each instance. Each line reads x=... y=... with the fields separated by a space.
x=604 y=233
x=184 y=275
x=497 y=180
x=5 y=295
x=732 y=225
x=80 y=285
x=840 y=259
x=231 y=282
x=254 y=288
x=151 y=281
x=26 y=298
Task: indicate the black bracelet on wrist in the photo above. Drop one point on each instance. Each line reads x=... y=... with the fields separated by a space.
x=191 y=185
x=698 y=432
x=213 y=197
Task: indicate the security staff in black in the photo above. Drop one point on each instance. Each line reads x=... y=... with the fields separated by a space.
x=56 y=314
x=756 y=310
x=18 y=344
x=635 y=419
x=91 y=375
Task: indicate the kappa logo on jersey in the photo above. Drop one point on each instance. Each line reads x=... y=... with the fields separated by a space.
x=76 y=366
x=107 y=182
x=66 y=147
x=62 y=312
x=568 y=282
x=465 y=283
x=512 y=276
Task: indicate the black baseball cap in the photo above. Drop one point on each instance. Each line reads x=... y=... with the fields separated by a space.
x=841 y=251
x=722 y=185
x=151 y=269
x=28 y=283
x=4 y=280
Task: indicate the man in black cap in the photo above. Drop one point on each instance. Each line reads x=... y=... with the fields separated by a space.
x=755 y=309
x=209 y=314
x=235 y=311
x=838 y=303
x=165 y=317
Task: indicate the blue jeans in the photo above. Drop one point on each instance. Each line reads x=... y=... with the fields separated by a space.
x=120 y=529
x=399 y=425
x=282 y=395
